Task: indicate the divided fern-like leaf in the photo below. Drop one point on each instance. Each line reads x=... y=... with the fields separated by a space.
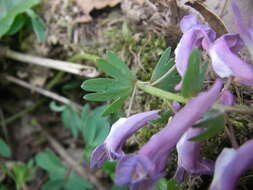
x=119 y=87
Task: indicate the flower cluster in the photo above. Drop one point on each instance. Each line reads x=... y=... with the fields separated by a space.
x=143 y=169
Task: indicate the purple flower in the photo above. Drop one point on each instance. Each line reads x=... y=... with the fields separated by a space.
x=189 y=159
x=230 y=165
x=227 y=98
x=225 y=61
x=246 y=33
x=121 y=130
x=149 y=164
x=194 y=35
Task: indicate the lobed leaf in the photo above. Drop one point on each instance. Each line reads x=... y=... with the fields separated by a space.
x=5 y=150
x=10 y=9
x=194 y=75
x=164 y=65
x=214 y=123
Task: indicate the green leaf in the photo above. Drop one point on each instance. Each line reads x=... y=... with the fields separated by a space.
x=75 y=182
x=115 y=187
x=10 y=9
x=163 y=66
x=121 y=66
x=99 y=84
x=54 y=184
x=119 y=88
x=50 y=162
x=194 y=77
x=95 y=127
x=171 y=184
x=109 y=167
x=17 y=24
x=5 y=150
x=71 y=120
x=113 y=107
x=38 y=25
x=214 y=123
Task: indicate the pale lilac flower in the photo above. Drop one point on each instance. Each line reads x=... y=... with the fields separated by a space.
x=195 y=35
x=227 y=98
x=225 y=61
x=230 y=165
x=120 y=131
x=149 y=164
x=189 y=158
x=245 y=32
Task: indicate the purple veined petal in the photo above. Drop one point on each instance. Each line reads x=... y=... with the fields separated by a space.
x=227 y=98
x=191 y=39
x=245 y=32
x=188 y=22
x=189 y=159
x=138 y=165
x=226 y=63
x=111 y=149
x=193 y=36
x=157 y=149
x=230 y=165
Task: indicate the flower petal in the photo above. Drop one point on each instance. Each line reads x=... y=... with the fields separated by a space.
x=121 y=130
x=193 y=36
x=151 y=160
x=245 y=32
x=230 y=165
x=189 y=156
x=226 y=63
x=132 y=169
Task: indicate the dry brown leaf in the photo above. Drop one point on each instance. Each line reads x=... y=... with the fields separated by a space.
x=88 y=5
x=213 y=20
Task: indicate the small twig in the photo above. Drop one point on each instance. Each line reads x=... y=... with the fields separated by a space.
x=223 y=9
x=131 y=101
x=3 y=125
x=83 y=172
x=42 y=91
x=164 y=76
x=230 y=133
x=20 y=114
x=74 y=68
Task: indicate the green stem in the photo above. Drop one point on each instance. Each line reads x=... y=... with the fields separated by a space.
x=146 y=87
x=160 y=93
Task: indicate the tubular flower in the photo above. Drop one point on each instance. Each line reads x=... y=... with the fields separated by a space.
x=225 y=61
x=245 y=32
x=148 y=165
x=189 y=159
x=120 y=131
x=194 y=35
x=230 y=165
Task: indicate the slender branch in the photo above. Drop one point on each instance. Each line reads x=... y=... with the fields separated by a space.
x=74 y=68
x=20 y=114
x=146 y=87
x=164 y=76
x=42 y=91
x=131 y=101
